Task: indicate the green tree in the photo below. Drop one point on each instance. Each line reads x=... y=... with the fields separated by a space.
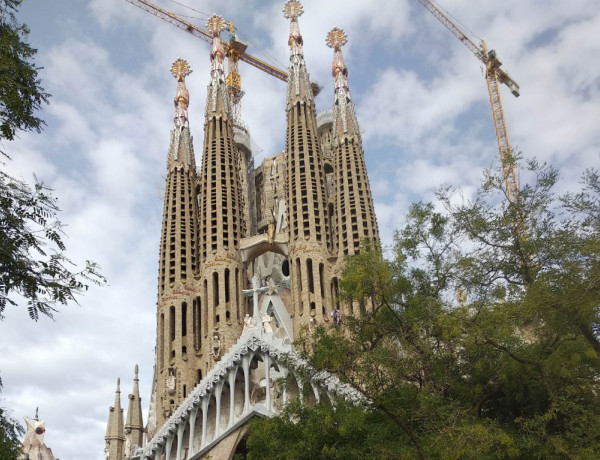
x=33 y=263
x=480 y=335
x=21 y=93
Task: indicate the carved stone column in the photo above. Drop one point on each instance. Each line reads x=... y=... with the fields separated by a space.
x=192 y=430
x=180 y=429
x=246 y=367
x=169 y=445
x=232 y=374
x=204 y=417
x=219 y=388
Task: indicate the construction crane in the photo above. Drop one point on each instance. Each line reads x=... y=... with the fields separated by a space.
x=494 y=75
x=235 y=49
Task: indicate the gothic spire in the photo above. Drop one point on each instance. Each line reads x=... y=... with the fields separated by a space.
x=344 y=117
x=181 y=69
x=299 y=88
x=305 y=191
x=134 y=427
x=114 y=429
x=356 y=213
x=181 y=151
x=217 y=101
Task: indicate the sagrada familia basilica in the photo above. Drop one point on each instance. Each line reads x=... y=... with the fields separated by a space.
x=249 y=256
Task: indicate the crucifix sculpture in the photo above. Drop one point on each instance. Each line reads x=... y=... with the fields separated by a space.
x=256 y=289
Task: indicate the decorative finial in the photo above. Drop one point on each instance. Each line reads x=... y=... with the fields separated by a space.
x=215 y=24
x=292 y=10
x=344 y=122
x=36 y=413
x=118 y=385
x=136 y=371
x=336 y=38
x=180 y=69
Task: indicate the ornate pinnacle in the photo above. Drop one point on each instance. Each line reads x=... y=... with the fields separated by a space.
x=292 y=10
x=215 y=24
x=181 y=69
x=336 y=38
x=344 y=120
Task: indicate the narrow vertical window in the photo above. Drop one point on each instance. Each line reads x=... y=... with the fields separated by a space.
x=321 y=269
x=226 y=285
x=172 y=322
x=161 y=345
x=311 y=281
x=215 y=289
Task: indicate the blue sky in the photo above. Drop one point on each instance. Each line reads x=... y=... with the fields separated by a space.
x=422 y=104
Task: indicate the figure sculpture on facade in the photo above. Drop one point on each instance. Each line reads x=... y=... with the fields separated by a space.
x=216 y=346
x=337 y=317
x=171 y=380
x=249 y=323
x=271 y=285
x=266 y=319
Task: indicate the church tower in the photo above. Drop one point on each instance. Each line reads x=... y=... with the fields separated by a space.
x=355 y=213
x=177 y=337
x=134 y=425
x=307 y=216
x=115 y=439
x=222 y=224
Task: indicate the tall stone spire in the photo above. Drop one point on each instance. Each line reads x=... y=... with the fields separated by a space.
x=299 y=87
x=134 y=426
x=178 y=338
x=222 y=223
x=115 y=436
x=355 y=214
x=307 y=217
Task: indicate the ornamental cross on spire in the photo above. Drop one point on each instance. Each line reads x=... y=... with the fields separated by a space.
x=181 y=69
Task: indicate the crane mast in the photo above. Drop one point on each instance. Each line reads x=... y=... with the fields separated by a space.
x=494 y=75
x=235 y=50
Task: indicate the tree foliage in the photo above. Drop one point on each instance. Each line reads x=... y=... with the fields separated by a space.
x=21 y=93
x=480 y=337
x=33 y=263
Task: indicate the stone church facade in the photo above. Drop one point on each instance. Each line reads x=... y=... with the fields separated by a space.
x=248 y=257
